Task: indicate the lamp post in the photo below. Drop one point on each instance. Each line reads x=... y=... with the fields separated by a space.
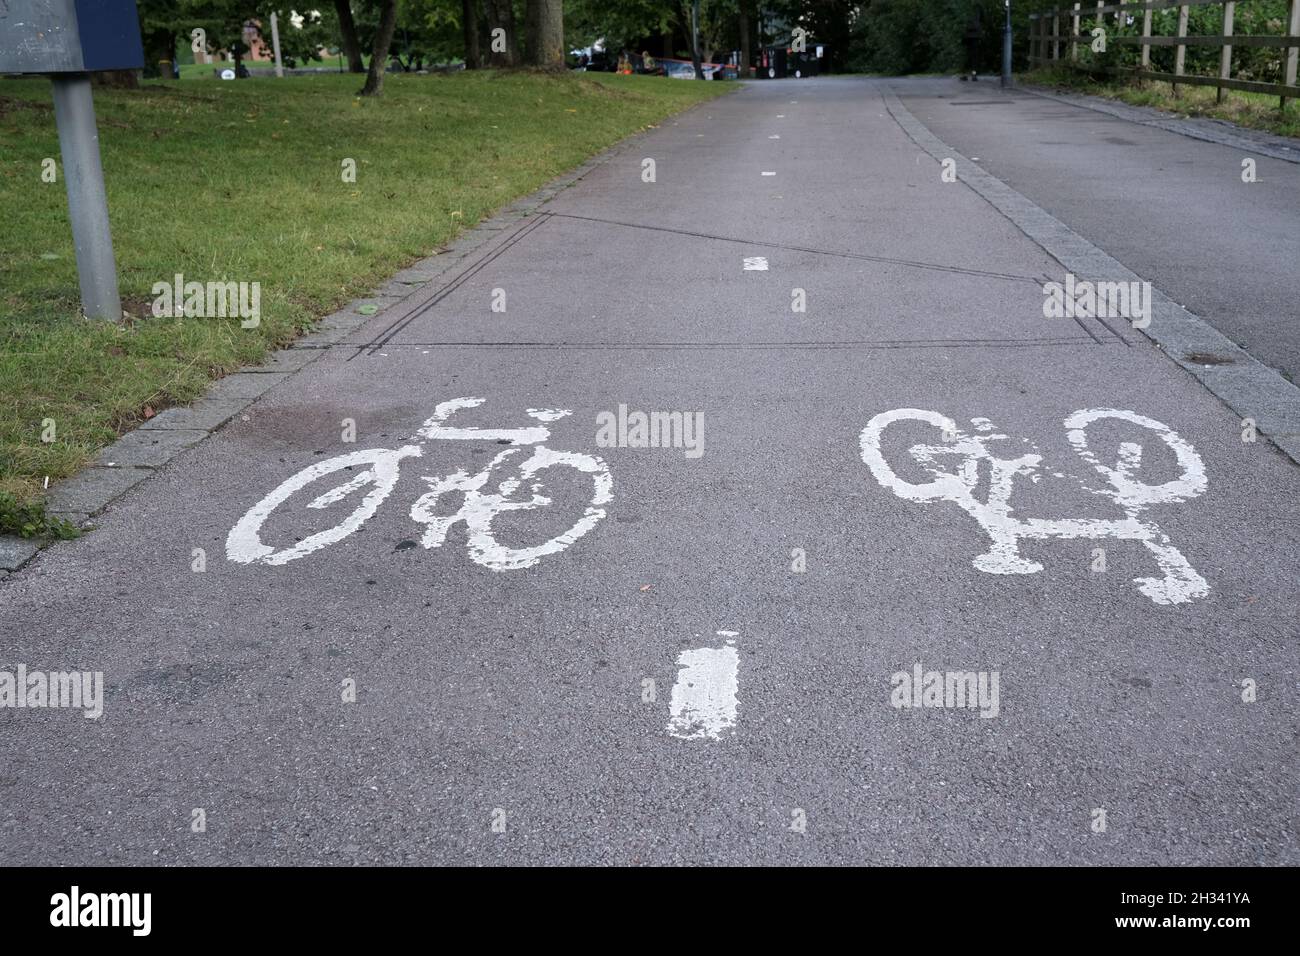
x=1006 y=45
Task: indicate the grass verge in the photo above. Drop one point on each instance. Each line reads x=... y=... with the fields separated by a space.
x=242 y=181
x=1251 y=110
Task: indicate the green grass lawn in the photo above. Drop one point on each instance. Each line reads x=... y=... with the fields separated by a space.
x=1252 y=110
x=241 y=181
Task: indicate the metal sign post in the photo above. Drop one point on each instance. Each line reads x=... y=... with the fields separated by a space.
x=74 y=114
x=68 y=40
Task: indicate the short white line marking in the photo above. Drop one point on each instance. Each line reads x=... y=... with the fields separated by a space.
x=755 y=264
x=704 y=701
x=769 y=174
x=777 y=136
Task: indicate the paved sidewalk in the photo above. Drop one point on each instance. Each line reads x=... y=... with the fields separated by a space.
x=1174 y=209
x=702 y=669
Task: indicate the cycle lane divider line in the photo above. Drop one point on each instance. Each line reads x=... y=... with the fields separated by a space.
x=705 y=696
x=1243 y=383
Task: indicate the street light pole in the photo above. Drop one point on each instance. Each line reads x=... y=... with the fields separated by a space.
x=1006 y=45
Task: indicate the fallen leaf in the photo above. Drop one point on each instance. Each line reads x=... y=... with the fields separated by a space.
x=149 y=412
x=646 y=587
x=368 y=309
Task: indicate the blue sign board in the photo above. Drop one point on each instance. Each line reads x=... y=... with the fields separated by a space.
x=69 y=36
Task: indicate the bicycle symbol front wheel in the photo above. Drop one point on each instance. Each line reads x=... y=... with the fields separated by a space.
x=244 y=544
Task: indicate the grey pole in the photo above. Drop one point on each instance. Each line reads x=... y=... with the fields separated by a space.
x=1006 y=46
x=74 y=114
x=275 y=42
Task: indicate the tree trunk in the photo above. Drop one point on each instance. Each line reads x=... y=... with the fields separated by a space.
x=744 y=40
x=501 y=16
x=469 y=26
x=379 y=53
x=351 y=45
x=116 y=79
x=545 y=34
x=695 y=36
x=159 y=45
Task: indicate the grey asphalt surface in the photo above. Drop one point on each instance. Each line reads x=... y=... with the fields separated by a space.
x=1173 y=209
x=522 y=690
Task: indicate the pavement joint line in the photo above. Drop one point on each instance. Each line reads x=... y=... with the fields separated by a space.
x=759 y=243
x=1245 y=385
x=423 y=304
x=1275 y=147
x=104 y=483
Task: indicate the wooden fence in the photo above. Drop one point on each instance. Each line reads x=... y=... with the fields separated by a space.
x=1047 y=40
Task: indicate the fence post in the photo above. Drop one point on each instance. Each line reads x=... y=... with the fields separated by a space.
x=1146 y=35
x=1225 y=55
x=1180 y=55
x=1292 y=53
x=1074 y=34
x=1056 y=34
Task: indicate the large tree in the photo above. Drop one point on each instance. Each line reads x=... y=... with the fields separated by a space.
x=545 y=36
x=469 y=28
x=374 y=85
x=503 y=47
x=348 y=33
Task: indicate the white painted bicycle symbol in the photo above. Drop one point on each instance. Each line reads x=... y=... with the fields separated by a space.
x=1179 y=582
x=481 y=503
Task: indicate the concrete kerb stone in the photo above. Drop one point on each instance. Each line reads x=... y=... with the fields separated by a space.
x=1236 y=378
x=16 y=551
x=149 y=448
x=91 y=490
x=207 y=414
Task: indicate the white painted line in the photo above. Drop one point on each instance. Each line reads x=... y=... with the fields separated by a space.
x=780 y=116
x=755 y=264
x=704 y=701
x=777 y=136
x=769 y=174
